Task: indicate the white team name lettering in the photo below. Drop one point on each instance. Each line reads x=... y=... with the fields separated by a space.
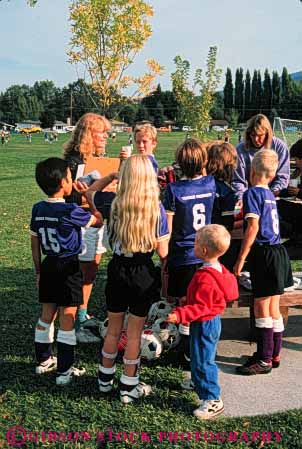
x=270 y=201
x=46 y=219
x=193 y=197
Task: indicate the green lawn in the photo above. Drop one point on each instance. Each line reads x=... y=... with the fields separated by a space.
x=35 y=403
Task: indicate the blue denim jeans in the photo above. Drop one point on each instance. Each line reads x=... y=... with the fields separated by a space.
x=204 y=337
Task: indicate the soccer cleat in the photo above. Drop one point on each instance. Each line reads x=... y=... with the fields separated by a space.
x=276 y=361
x=63 y=379
x=187 y=383
x=47 y=366
x=137 y=392
x=209 y=409
x=87 y=335
x=252 y=367
x=105 y=378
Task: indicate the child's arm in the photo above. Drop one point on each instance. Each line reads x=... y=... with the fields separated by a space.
x=248 y=240
x=36 y=256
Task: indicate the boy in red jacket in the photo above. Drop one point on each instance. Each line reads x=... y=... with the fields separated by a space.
x=211 y=286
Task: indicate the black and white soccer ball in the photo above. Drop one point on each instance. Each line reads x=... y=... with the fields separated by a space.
x=159 y=309
x=151 y=346
x=167 y=332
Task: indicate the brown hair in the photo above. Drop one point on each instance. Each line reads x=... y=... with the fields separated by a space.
x=191 y=156
x=81 y=140
x=258 y=123
x=222 y=161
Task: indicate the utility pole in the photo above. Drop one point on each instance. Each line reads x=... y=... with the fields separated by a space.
x=71 y=107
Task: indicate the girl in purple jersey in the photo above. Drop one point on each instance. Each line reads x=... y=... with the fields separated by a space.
x=269 y=264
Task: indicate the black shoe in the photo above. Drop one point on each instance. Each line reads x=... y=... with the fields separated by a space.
x=276 y=361
x=252 y=367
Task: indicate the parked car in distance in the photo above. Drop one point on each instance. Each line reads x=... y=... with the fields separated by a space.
x=187 y=128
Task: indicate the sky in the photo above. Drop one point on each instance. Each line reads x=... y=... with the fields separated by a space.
x=254 y=34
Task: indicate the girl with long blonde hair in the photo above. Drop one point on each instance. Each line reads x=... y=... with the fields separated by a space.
x=138 y=226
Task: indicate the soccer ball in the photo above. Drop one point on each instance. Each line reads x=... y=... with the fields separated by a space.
x=104 y=326
x=151 y=346
x=167 y=332
x=159 y=309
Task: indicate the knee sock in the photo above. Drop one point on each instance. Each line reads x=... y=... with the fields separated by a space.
x=265 y=342
x=81 y=317
x=278 y=328
x=43 y=341
x=66 y=342
x=106 y=375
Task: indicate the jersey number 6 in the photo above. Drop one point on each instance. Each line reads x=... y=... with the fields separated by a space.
x=199 y=218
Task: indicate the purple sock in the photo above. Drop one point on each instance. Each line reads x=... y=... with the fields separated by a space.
x=43 y=351
x=65 y=356
x=277 y=343
x=265 y=344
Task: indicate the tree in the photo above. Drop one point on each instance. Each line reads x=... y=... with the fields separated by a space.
x=196 y=101
x=254 y=93
x=267 y=94
x=238 y=101
x=217 y=110
x=228 y=92
x=159 y=115
x=142 y=114
x=128 y=113
x=106 y=37
x=276 y=91
x=247 y=95
x=259 y=93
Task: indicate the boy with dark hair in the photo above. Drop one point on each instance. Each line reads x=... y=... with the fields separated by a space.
x=270 y=268
x=56 y=231
x=211 y=286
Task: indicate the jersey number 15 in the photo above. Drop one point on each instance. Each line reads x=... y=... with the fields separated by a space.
x=49 y=239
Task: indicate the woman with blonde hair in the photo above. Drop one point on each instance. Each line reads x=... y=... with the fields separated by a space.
x=259 y=136
x=138 y=226
x=88 y=139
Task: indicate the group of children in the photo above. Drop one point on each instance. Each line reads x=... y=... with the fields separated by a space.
x=190 y=232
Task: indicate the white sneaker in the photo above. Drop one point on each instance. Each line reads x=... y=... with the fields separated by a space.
x=138 y=391
x=87 y=336
x=187 y=382
x=47 y=366
x=209 y=409
x=63 y=379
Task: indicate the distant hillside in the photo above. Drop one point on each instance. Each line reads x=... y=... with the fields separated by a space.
x=297 y=76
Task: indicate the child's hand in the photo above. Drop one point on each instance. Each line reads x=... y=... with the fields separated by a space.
x=80 y=187
x=171 y=318
x=124 y=154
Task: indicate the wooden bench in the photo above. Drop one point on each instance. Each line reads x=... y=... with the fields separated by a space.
x=288 y=299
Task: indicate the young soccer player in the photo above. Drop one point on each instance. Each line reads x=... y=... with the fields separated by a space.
x=145 y=137
x=137 y=227
x=189 y=204
x=56 y=231
x=211 y=286
x=269 y=263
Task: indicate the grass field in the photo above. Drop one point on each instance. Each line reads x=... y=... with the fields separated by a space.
x=34 y=403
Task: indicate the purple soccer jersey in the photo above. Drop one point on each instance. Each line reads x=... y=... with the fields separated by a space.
x=191 y=203
x=259 y=202
x=58 y=226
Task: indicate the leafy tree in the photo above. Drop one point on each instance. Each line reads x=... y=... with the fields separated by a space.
x=159 y=115
x=142 y=114
x=48 y=118
x=106 y=37
x=228 y=92
x=195 y=108
x=128 y=113
x=217 y=110
x=247 y=95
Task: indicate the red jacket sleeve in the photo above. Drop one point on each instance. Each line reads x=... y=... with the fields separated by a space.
x=204 y=297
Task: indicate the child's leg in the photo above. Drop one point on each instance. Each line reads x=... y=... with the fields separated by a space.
x=44 y=334
x=109 y=351
x=66 y=339
x=204 y=340
x=89 y=270
x=130 y=387
x=278 y=328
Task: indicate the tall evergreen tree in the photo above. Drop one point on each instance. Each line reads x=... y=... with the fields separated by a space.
x=285 y=93
x=247 y=96
x=238 y=103
x=267 y=94
x=259 y=93
x=276 y=88
x=254 y=94
x=228 y=92
x=159 y=115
